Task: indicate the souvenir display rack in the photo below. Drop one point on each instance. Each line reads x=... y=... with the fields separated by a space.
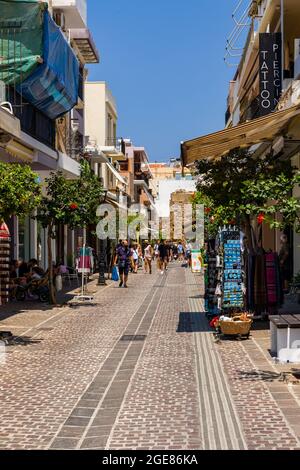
x=225 y=277
x=232 y=285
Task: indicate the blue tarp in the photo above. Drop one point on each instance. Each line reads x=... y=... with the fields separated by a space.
x=53 y=87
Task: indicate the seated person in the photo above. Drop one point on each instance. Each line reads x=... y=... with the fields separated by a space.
x=23 y=268
x=63 y=269
x=36 y=274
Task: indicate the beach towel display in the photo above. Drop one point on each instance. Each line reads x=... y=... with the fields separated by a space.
x=233 y=295
x=264 y=285
x=85 y=256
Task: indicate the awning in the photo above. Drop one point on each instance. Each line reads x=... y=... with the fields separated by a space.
x=117 y=174
x=20 y=151
x=258 y=130
x=85 y=44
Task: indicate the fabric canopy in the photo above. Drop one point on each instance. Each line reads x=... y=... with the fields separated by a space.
x=36 y=59
x=21 y=39
x=53 y=87
x=213 y=146
x=116 y=173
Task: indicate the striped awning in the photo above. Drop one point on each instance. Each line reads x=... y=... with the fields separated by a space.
x=213 y=146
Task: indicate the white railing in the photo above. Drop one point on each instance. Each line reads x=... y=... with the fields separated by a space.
x=79 y=5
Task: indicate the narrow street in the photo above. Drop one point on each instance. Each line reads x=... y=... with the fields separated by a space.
x=140 y=370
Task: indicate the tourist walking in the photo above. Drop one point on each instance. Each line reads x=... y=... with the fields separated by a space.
x=148 y=255
x=180 y=251
x=135 y=258
x=163 y=256
x=122 y=260
x=156 y=254
x=188 y=254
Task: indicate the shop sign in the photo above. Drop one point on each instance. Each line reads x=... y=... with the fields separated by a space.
x=270 y=71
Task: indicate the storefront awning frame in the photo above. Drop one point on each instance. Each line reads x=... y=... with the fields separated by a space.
x=217 y=144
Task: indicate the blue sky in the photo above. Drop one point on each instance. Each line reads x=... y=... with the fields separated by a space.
x=163 y=61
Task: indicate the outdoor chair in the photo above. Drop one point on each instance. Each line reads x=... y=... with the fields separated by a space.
x=69 y=274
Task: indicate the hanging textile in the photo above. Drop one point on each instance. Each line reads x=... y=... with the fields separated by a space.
x=4 y=263
x=37 y=57
x=250 y=271
x=260 y=287
x=271 y=279
x=85 y=260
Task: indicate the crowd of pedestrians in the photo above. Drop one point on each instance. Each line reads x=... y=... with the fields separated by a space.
x=129 y=258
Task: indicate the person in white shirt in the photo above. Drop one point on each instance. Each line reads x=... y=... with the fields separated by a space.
x=156 y=254
x=135 y=257
x=148 y=254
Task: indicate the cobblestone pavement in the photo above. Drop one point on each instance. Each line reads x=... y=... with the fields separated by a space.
x=140 y=370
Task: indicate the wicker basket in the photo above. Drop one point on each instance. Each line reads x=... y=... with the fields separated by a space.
x=235 y=327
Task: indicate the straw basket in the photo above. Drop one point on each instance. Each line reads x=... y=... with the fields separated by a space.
x=236 y=327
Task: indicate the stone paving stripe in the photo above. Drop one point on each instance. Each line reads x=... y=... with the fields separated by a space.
x=87 y=403
x=64 y=443
x=220 y=425
x=117 y=390
x=152 y=310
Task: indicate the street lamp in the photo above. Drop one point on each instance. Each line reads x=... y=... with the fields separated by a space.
x=102 y=262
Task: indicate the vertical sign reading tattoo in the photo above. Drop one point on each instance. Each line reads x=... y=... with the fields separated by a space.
x=270 y=69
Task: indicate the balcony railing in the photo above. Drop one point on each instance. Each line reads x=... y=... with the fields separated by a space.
x=74 y=10
x=117 y=143
x=33 y=122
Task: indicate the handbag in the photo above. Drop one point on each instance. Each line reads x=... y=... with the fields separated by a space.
x=115 y=274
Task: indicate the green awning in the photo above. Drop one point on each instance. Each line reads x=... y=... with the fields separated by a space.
x=21 y=39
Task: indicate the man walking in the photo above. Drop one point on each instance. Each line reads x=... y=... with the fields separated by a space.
x=180 y=251
x=163 y=256
x=123 y=260
x=148 y=255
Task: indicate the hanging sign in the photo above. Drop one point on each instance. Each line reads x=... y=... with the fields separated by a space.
x=270 y=71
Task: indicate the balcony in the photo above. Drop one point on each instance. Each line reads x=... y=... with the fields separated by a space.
x=83 y=41
x=114 y=148
x=33 y=122
x=75 y=12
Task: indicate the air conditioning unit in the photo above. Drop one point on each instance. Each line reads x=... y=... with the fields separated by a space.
x=60 y=19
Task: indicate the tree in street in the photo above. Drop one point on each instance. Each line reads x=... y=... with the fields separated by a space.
x=68 y=202
x=243 y=190
x=20 y=190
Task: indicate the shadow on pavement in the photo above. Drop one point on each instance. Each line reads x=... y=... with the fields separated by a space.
x=192 y=322
x=22 y=341
x=259 y=375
